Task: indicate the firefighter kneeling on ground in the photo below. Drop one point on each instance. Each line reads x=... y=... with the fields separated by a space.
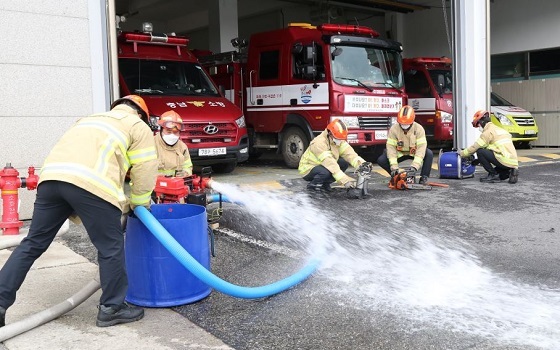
x=494 y=150
x=173 y=154
x=327 y=157
x=407 y=140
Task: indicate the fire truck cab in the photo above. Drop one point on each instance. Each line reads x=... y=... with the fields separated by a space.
x=429 y=85
x=161 y=69
x=292 y=82
x=429 y=82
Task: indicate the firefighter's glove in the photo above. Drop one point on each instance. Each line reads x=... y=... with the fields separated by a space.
x=347 y=180
x=460 y=153
x=350 y=184
x=394 y=172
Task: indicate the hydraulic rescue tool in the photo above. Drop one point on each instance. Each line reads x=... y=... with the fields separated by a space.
x=405 y=179
x=364 y=174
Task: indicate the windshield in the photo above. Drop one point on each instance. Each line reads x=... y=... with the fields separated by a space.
x=366 y=66
x=497 y=100
x=447 y=79
x=151 y=77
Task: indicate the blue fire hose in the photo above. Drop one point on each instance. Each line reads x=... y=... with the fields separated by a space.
x=212 y=280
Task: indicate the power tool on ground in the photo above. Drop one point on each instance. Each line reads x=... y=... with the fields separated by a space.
x=405 y=179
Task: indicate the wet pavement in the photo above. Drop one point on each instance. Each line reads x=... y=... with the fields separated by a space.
x=403 y=275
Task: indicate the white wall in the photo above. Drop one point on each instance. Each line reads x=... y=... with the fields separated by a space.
x=522 y=25
x=46 y=71
x=515 y=25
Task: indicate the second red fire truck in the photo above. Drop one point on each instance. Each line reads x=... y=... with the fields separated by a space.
x=292 y=82
x=160 y=68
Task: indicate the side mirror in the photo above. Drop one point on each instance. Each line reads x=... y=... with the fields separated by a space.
x=440 y=84
x=336 y=52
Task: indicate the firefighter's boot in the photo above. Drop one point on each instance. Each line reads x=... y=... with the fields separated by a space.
x=491 y=178
x=513 y=175
x=423 y=180
x=314 y=187
x=116 y=314
x=326 y=187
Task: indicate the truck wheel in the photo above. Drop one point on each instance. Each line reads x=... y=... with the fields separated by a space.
x=294 y=143
x=224 y=168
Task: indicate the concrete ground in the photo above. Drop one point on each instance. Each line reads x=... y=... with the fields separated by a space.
x=220 y=322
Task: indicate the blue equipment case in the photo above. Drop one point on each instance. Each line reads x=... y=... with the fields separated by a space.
x=452 y=166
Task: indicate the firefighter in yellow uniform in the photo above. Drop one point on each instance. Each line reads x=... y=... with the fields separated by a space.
x=407 y=140
x=84 y=174
x=494 y=150
x=173 y=155
x=327 y=157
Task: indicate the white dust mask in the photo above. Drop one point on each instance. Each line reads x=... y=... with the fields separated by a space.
x=170 y=139
x=480 y=128
x=405 y=127
x=337 y=141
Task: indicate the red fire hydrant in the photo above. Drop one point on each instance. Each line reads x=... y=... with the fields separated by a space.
x=10 y=182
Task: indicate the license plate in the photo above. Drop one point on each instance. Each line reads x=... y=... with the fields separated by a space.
x=381 y=134
x=530 y=132
x=212 y=151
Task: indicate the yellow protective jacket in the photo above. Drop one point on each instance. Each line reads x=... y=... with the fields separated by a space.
x=498 y=141
x=413 y=141
x=172 y=159
x=96 y=153
x=323 y=151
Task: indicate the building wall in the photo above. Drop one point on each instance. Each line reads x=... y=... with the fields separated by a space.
x=46 y=73
x=515 y=25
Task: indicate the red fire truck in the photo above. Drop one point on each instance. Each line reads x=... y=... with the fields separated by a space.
x=429 y=81
x=292 y=82
x=161 y=69
x=429 y=85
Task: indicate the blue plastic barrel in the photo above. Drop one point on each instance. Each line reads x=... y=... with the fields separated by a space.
x=155 y=277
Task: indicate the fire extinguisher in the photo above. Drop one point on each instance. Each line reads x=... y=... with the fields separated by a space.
x=10 y=182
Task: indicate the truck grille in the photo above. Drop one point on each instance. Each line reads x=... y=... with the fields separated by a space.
x=196 y=131
x=375 y=123
x=524 y=120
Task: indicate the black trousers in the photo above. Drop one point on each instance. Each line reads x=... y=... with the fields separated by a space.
x=488 y=160
x=320 y=175
x=383 y=162
x=56 y=201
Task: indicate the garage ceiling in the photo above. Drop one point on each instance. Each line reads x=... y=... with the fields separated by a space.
x=187 y=11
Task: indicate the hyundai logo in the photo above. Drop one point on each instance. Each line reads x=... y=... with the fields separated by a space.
x=210 y=129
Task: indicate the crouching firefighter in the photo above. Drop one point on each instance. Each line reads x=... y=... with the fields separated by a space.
x=494 y=150
x=407 y=140
x=327 y=158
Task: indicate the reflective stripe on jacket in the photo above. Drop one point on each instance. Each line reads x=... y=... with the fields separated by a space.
x=498 y=141
x=96 y=153
x=323 y=151
x=414 y=144
x=173 y=158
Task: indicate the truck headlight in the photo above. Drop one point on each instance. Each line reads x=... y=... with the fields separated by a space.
x=503 y=119
x=351 y=122
x=445 y=117
x=240 y=122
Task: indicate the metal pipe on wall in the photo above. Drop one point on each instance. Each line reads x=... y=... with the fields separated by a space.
x=112 y=49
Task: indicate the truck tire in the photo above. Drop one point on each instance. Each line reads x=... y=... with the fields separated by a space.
x=294 y=143
x=224 y=168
